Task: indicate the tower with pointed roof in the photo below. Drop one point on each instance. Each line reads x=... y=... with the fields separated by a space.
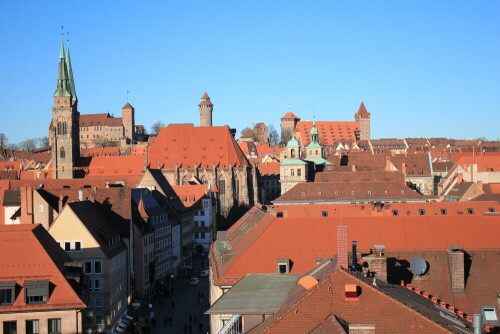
x=314 y=150
x=363 y=119
x=64 y=132
x=288 y=125
x=128 y=119
x=205 y=107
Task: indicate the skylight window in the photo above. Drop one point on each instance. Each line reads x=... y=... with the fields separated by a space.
x=490 y=314
x=443 y=212
x=470 y=211
x=422 y=212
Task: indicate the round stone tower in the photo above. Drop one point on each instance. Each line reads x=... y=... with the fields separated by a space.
x=205 y=107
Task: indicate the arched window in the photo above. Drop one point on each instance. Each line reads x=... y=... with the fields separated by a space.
x=292 y=153
x=59 y=128
x=62 y=153
x=64 y=130
x=236 y=189
x=221 y=184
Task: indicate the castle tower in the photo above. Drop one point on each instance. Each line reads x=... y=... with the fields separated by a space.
x=314 y=148
x=128 y=118
x=205 y=107
x=64 y=132
x=363 y=119
x=288 y=124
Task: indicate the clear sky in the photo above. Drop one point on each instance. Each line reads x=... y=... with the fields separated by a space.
x=422 y=68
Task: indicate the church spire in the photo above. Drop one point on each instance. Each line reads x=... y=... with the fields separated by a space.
x=62 y=75
x=71 y=81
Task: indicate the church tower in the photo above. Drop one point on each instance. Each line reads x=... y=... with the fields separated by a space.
x=64 y=132
x=128 y=118
x=205 y=107
x=363 y=119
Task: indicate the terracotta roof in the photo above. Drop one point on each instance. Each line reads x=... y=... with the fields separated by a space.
x=31 y=246
x=207 y=103
x=392 y=309
x=484 y=164
x=388 y=142
x=127 y=106
x=99 y=151
x=191 y=194
x=115 y=166
x=307 y=192
x=187 y=146
x=491 y=188
x=255 y=242
x=269 y=168
x=290 y=115
x=93 y=119
x=362 y=112
x=99 y=182
x=329 y=133
x=205 y=96
x=114 y=122
x=441 y=167
x=361 y=176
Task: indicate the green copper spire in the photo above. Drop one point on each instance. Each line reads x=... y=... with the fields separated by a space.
x=71 y=81
x=62 y=75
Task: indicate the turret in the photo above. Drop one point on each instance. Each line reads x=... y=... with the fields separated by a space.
x=363 y=119
x=205 y=107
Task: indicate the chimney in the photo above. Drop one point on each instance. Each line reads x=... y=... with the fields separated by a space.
x=478 y=323
x=351 y=292
x=80 y=195
x=460 y=178
x=456 y=266
x=403 y=168
x=377 y=263
x=361 y=329
x=387 y=163
x=480 y=184
x=61 y=197
x=342 y=257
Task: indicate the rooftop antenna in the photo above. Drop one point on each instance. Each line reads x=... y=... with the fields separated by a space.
x=418 y=265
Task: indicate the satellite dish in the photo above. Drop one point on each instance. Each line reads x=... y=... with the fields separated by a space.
x=418 y=265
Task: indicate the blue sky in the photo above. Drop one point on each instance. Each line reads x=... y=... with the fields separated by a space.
x=423 y=69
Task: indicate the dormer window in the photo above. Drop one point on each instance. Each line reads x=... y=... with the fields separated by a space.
x=36 y=292
x=7 y=293
x=283 y=266
x=470 y=211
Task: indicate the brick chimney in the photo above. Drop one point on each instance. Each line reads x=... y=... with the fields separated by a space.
x=460 y=178
x=456 y=266
x=403 y=168
x=377 y=263
x=342 y=258
x=361 y=329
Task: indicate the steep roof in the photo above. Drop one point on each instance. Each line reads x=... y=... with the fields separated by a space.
x=28 y=247
x=362 y=112
x=189 y=146
x=93 y=119
x=484 y=163
x=124 y=166
x=191 y=194
x=329 y=133
x=269 y=168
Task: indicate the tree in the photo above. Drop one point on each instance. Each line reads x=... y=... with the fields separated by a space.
x=29 y=144
x=103 y=142
x=274 y=137
x=155 y=128
x=245 y=132
x=287 y=135
x=43 y=141
x=3 y=140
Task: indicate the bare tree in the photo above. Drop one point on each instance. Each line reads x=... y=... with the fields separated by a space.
x=287 y=135
x=3 y=140
x=156 y=127
x=29 y=144
x=43 y=141
x=274 y=137
x=103 y=142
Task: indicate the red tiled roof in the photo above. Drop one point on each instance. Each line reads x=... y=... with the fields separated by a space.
x=206 y=103
x=99 y=151
x=205 y=96
x=190 y=194
x=269 y=168
x=256 y=245
x=93 y=119
x=359 y=176
x=132 y=165
x=128 y=106
x=329 y=133
x=362 y=112
x=484 y=164
x=290 y=115
x=187 y=146
x=113 y=121
x=265 y=148
x=28 y=247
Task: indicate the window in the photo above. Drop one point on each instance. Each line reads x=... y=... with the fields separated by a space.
x=299 y=172
x=202 y=212
x=491 y=209
x=202 y=235
x=88 y=320
x=87 y=267
x=78 y=246
x=67 y=246
x=98 y=302
x=470 y=211
x=395 y=212
x=202 y=223
x=54 y=326
x=443 y=212
x=292 y=172
x=324 y=213
x=490 y=314
x=37 y=292
x=62 y=154
x=10 y=327
x=32 y=327
x=97 y=267
x=196 y=235
x=97 y=285
x=283 y=266
x=99 y=320
x=421 y=212
x=40 y=207
x=7 y=293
